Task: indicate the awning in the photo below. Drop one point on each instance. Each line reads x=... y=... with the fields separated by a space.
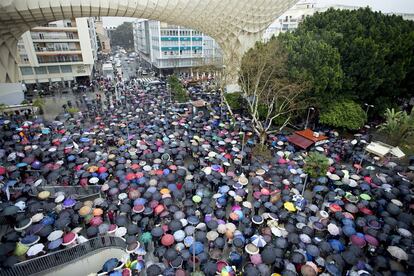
x=300 y=141
x=382 y=149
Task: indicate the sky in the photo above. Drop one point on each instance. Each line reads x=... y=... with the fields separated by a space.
x=400 y=6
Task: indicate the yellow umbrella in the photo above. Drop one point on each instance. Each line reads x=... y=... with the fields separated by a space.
x=85 y=210
x=92 y=169
x=43 y=195
x=164 y=191
x=289 y=206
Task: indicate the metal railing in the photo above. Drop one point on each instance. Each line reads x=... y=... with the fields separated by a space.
x=53 y=260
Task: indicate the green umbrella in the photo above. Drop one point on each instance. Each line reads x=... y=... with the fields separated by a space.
x=197 y=273
x=21 y=249
x=196 y=199
x=146 y=237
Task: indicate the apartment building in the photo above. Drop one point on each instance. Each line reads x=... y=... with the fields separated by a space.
x=61 y=52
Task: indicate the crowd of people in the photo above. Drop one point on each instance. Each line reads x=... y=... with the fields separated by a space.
x=186 y=193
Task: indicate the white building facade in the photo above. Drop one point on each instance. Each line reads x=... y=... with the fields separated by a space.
x=172 y=48
x=60 y=52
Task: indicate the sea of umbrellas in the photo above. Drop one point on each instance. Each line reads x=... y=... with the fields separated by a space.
x=185 y=189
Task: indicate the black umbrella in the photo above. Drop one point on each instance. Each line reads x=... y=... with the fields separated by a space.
x=268 y=255
x=212 y=224
x=210 y=268
x=170 y=254
x=92 y=231
x=175 y=225
x=132 y=229
x=154 y=270
x=121 y=220
x=297 y=258
x=157 y=232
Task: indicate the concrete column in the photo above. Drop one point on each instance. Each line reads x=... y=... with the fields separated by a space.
x=8 y=59
x=233 y=49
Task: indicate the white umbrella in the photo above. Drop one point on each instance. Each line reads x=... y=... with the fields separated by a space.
x=120 y=232
x=55 y=235
x=35 y=249
x=212 y=235
x=179 y=235
x=94 y=180
x=258 y=241
x=396 y=252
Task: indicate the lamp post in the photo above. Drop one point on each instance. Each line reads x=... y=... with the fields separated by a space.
x=307 y=117
x=368 y=107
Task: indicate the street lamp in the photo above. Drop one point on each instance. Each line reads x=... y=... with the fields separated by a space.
x=307 y=117
x=368 y=107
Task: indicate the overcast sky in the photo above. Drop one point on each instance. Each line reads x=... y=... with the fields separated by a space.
x=401 y=6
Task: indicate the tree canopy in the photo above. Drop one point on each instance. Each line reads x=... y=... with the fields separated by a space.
x=123 y=36
x=360 y=54
x=345 y=114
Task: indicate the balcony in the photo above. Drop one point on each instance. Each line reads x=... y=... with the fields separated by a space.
x=53 y=52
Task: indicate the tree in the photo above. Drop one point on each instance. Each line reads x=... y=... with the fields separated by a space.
x=314 y=61
x=269 y=93
x=398 y=126
x=177 y=89
x=39 y=103
x=316 y=165
x=123 y=36
x=345 y=114
x=376 y=53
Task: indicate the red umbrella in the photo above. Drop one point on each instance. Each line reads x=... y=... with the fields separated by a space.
x=139 y=175
x=167 y=240
x=135 y=167
x=159 y=209
x=96 y=221
x=2 y=170
x=102 y=169
x=69 y=237
x=130 y=176
x=358 y=240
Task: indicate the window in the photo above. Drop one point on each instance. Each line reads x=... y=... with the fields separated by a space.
x=26 y=71
x=24 y=58
x=53 y=69
x=40 y=70
x=66 y=68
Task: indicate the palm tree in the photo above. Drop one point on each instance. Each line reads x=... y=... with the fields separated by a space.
x=398 y=126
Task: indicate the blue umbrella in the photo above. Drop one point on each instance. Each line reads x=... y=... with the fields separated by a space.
x=196 y=247
x=29 y=239
x=193 y=220
x=55 y=244
x=224 y=189
x=21 y=165
x=47 y=220
x=84 y=140
x=36 y=165
x=323 y=180
x=336 y=245
x=348 y=230
x=110 y=264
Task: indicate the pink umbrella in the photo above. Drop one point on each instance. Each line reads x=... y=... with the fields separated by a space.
x=96 y=221
x=256 y=259
x=358 y=240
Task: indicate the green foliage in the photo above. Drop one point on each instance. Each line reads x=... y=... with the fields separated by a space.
x=39 y=102
x=123 y=36
x=177 y=90
x=398 y=126
x=25 y=102
x=344 y=114
x=316 y=164
x=314 y=61
x=376 y=54
x=235 y=100
x=73 y=110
